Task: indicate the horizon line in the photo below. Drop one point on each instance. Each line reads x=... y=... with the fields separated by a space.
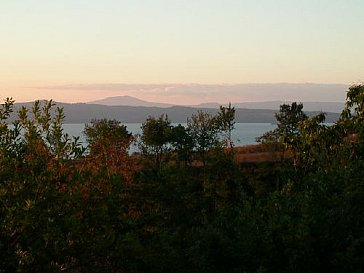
x=72 y=85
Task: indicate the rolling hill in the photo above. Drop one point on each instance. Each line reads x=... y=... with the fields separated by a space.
x=83 y=113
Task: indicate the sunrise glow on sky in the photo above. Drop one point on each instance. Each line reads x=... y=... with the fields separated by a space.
x=70 y=42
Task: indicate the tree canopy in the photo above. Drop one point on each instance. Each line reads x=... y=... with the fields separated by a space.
x=106 y=210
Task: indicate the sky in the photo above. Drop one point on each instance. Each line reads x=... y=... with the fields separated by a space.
x=46 y=45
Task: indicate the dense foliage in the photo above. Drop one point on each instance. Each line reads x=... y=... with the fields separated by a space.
x=184 y=203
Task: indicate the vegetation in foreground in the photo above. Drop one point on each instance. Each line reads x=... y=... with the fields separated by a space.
x=186 y=203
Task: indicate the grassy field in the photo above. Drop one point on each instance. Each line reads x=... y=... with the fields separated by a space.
x=258 y=153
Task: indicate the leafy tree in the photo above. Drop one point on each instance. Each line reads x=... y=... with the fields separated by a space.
x=6 y=110
x=288 y=120
x=181 y=142
x=10 y=137
x=34 y=160
x=156 y=134
x=225 y=119
x=204 y=129
x=312 y=142
x=287 y=131
x=354 y=107
x=352 y=117
x=43 y=132
x=106 y=137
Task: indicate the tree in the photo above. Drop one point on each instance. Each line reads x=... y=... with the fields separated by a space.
x=354 y=106
x=105 y=137
x=285 y=135
x=204 y=129
x=9 y=137
x=288 y=120
x=312 y=143
x=226 y=123
x=352 y=116
x=156 y=134
x=35 y=161
x=181 y=142
x=351 y=122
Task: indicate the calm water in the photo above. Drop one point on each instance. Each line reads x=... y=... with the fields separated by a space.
x=243 y=134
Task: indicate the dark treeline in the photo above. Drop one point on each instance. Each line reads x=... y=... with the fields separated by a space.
x=185 y=203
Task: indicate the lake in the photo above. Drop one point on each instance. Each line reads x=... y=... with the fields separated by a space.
x=243 y=134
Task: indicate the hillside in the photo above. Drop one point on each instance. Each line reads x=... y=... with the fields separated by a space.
x=83 y=113
x=326 y=106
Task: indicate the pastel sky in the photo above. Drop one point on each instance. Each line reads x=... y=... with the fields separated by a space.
x=84 y=42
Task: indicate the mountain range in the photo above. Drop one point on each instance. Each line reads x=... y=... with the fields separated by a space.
x=334 y=107
x=85 y=112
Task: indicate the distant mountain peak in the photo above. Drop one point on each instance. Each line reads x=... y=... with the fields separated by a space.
x=208 y=105
x=128 y=101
